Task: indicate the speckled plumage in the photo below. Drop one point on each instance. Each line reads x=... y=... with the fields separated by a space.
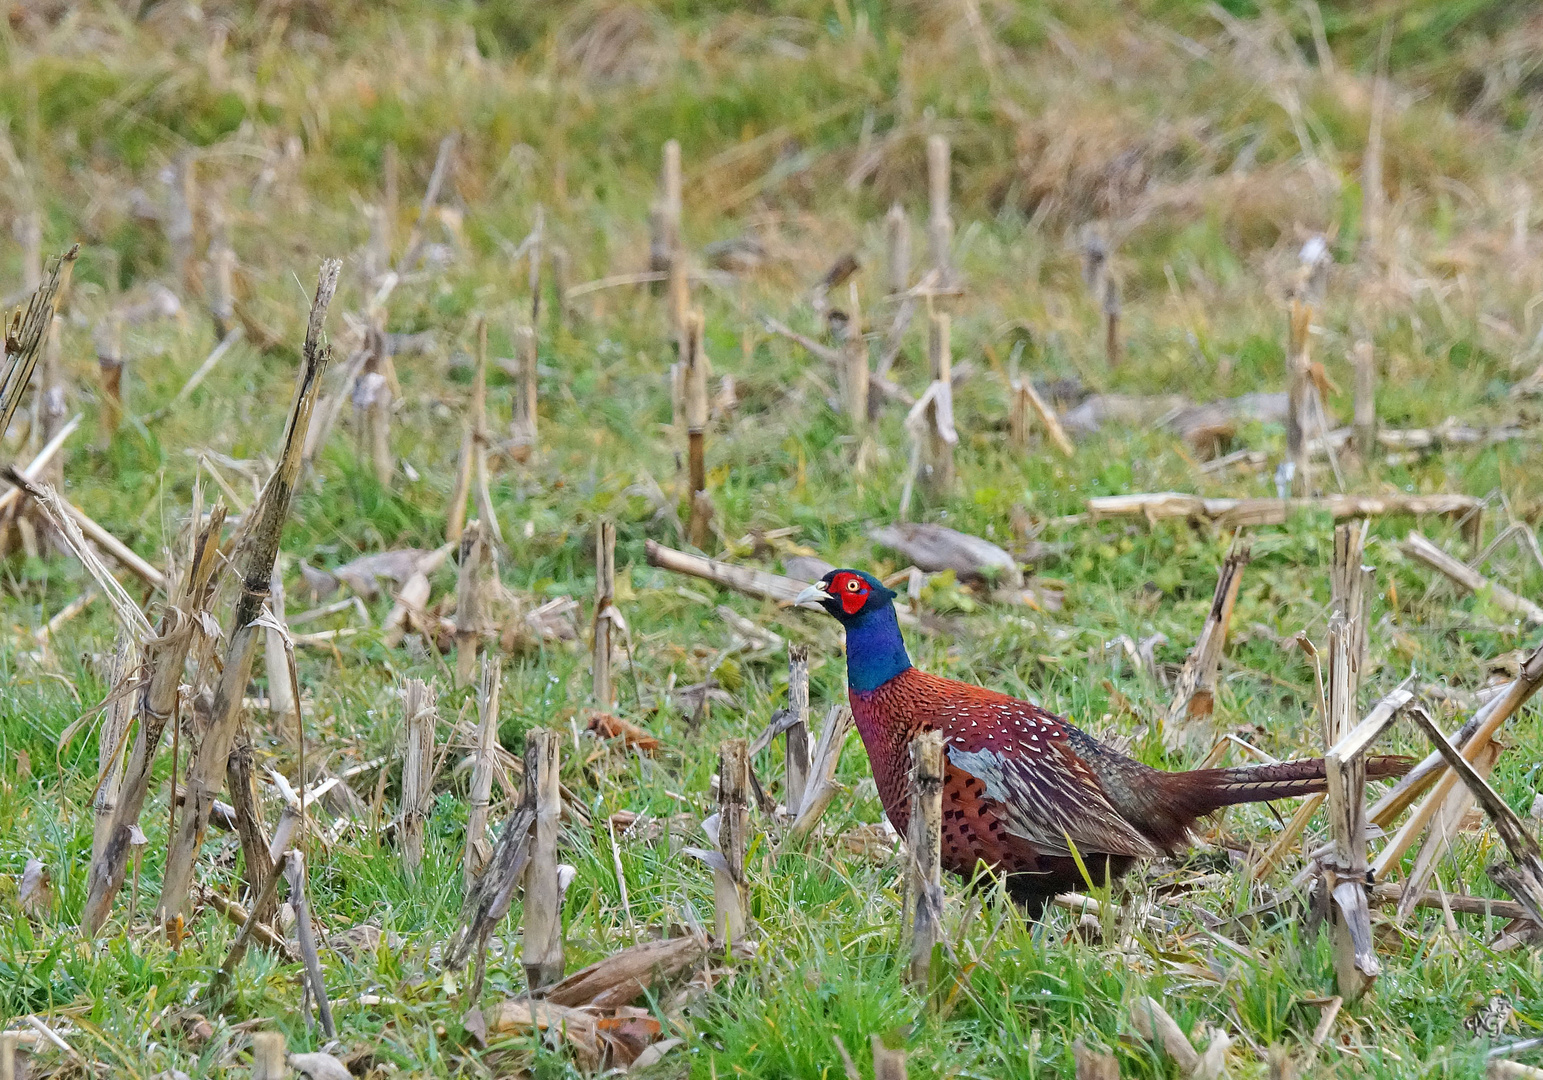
x=1023 y=787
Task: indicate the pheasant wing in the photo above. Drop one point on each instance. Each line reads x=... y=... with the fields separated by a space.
x=1048 y=795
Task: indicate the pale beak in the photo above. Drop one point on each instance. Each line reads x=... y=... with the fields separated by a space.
x=814 y=594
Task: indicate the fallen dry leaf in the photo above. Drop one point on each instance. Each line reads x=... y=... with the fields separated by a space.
x=644 y=828
x=1152 y=1022
x=363 y=574
x=319 y=1066
x=629 y=1032
x=551 y=621
x=1093 y=1064
x=876 y=841
x=613 y=1036
x=610 y=726
x=521 y=1017
x=359 y=941
x=196 y=1028
x=654 y=1054
x=1320 y=377
x=36 y=893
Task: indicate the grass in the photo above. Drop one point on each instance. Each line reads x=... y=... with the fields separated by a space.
x=1212 y=148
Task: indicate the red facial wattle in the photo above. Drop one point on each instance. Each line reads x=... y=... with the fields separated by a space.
x=852 y=591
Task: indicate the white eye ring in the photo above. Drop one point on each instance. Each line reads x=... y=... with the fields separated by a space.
x=853 y=586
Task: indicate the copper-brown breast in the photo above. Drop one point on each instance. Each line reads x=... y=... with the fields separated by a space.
x=973 y=829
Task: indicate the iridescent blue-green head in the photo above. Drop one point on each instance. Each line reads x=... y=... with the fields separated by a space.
x=861 y=603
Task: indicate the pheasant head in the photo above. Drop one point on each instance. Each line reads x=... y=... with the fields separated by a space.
x=860 y=602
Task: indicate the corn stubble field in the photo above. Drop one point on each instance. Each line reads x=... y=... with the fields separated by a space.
x=1152 y=207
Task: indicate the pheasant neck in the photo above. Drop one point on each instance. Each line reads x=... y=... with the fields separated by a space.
x=875 y=651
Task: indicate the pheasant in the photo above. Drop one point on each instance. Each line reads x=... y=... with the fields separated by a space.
x=1023 y=789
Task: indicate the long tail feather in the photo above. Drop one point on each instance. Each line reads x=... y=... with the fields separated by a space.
x=1262 y=783
x=1179 y=799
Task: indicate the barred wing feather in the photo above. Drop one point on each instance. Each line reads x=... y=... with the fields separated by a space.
x=1049 y=796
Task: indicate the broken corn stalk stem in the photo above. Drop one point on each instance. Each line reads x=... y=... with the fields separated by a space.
x=924 y=847
x=203 y=779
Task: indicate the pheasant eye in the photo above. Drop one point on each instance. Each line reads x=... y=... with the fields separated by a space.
x=853 y=585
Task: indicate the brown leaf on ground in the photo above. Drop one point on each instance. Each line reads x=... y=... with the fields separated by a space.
x=1320 y=377
x=630 y=1032
x=320 y=582
x=655 y=1054
x=363 y=574
x=644 y=828
x=597 y=1041
x=1093 y=1064
x=526 y=630
x=194 y=1026
x=36 y=892
x=357 y=942
x=319 y=1066
x=1153 y=1023
x=874 y=841
x=610 y=726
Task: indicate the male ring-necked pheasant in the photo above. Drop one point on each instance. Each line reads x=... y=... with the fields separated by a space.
x=1022 y=786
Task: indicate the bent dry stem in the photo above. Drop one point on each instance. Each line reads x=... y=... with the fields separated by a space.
x=203 y=780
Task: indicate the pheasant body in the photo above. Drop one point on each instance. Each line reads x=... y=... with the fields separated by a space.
x=1023 y=789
